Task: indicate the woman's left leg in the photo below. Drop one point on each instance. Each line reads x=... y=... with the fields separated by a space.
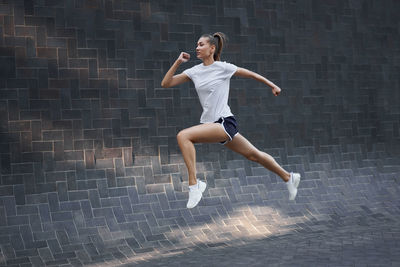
x=242 y=146
x=203 y=133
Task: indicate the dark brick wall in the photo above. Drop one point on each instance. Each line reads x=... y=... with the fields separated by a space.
x=84 y=122
x=80 y=80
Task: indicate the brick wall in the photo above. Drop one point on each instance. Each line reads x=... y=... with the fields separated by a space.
x=80 y=80
x=83 y=117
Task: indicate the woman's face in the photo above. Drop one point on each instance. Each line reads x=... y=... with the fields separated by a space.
x=204 y=49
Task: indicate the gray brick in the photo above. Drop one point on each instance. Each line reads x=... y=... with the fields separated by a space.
x=3 y=218
x=163 y=201
x=62 y=191
x=122 y=182
x=36 y=261
x=132 y=242
x=134 y=171
x=141 y=208
x=118 y=192
x=202 y=218
x=71 y=181
x=10 y=206
x=18 y=261
x=102 y=189
x=44 y=235
x=27 y=209
x=94 y=198
x=170 y=192
x=17 y=220
x=70 y=206
x=62 y=238
x=45 y=254
x=61 y=216
x=148 y=175
x=133 y=195
x=53 y=202
x=156 y=188
x=119 y=214
x=155 y=237
x=112 y=224
x=86 y=185
x=171 y=213
x=125 y=205
x=95 y=174
x=78 y=195
x=54 y=246
x=110 y=202
x=140 y=185
x=86 y=209
x=181 y=204
x=16 y=242
x=212 y=201
x=156 y=209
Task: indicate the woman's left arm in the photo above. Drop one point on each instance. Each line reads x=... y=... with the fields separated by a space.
x=241 y=72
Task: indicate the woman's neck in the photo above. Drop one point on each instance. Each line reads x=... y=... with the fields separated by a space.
x=208 y=61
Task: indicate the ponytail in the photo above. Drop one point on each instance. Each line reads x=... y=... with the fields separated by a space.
x=218 y=39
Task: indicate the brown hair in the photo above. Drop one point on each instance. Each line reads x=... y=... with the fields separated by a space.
x=217 y=39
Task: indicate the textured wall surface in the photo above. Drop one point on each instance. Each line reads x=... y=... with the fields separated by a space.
x=90 y=167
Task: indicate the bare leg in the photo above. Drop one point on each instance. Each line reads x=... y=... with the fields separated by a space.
x=203 y=133
x=242 y=146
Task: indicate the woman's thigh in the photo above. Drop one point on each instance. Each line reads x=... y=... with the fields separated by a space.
x=241 y=145
x=204 y=133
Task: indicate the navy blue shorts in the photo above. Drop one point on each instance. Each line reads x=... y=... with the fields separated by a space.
x=230 y=126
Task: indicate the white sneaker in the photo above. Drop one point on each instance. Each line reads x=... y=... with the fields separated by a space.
x=292 y=185
x=195 y=194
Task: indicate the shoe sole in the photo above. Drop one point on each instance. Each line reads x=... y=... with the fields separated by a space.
x=203 y=186
x=292 y=198
x=297 y=182
x=193 y=205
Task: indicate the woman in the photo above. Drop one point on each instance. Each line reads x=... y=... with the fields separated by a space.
x=211 y=79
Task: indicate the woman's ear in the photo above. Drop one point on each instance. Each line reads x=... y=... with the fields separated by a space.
x=213 y=49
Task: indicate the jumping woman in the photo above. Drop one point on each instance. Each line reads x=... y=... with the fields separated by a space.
x=217 y=123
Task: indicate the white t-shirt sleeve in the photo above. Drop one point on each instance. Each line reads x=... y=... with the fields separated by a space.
x=230 y=69
x=189 y=72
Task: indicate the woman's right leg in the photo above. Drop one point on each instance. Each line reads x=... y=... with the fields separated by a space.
x=203 y=133
x=242 y=146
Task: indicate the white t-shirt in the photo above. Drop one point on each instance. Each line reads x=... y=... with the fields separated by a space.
x=212 y=86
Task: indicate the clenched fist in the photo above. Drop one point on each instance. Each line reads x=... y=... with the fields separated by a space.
x=276 y=90
x=183 y=57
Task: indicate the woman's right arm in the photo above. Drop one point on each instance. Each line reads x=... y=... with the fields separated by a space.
x=242 y=72
x=171 y=80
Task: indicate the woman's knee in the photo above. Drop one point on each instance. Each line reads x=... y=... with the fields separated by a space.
x=182 y=135
x=254 y=156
